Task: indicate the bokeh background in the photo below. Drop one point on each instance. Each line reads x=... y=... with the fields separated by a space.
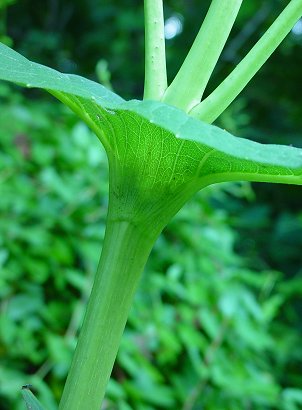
x=216 y=322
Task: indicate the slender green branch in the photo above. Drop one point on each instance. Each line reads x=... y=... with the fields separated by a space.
x=189 y=84
x=125 y=251
x=210 y=108
x=155 y=55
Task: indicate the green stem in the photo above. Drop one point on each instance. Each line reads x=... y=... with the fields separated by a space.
x=155 y=55
x=210 y=108
x=125 y=251
x=189 y=84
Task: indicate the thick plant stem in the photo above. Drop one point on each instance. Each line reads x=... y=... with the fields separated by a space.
x=155 y=55
x=210 y=108
x=125 y=251
x=190 y=82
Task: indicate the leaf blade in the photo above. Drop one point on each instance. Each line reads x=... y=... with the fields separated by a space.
x=32 y=403
x=217 y=155
x=16 y=68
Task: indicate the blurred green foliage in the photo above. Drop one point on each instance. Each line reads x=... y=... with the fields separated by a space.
x=53 y=205
x=216 y=321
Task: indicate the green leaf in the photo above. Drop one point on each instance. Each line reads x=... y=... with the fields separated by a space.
x=31 y=402
x=159 y=144
x=16 y=68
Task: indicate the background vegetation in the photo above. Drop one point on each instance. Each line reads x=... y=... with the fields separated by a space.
x=216 y=321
